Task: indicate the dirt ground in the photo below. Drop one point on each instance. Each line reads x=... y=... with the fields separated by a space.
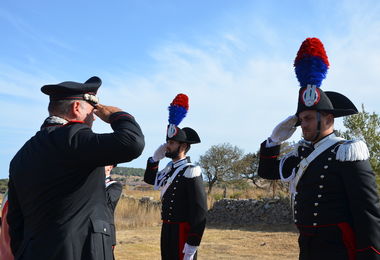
x=260 y=242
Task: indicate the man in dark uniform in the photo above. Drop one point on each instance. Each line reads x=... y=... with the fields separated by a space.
x=334 y=195
x=57 y=200
x=113 y=193
x=183 y=197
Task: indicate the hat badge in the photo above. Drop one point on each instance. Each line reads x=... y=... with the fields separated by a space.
x=311 y=95
x=91 y=98
x=172 y=130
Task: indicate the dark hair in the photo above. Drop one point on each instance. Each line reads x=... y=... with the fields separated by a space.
x=59 y=107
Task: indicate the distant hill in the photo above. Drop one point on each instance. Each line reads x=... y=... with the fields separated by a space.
x=128 y=171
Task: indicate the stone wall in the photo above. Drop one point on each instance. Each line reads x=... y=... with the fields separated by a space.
x=250 y=211
x=239 y=212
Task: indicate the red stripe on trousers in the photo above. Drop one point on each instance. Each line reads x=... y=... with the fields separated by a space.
x=348 y=237
x=184 y=228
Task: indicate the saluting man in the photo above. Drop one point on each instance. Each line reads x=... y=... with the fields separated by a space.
x=334 y=195
x=57 y=199
x=183 y=197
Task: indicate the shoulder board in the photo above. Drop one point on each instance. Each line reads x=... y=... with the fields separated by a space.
x=192 y=171
x=352 y=150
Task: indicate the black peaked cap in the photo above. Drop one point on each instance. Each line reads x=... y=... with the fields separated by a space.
x=72 y=90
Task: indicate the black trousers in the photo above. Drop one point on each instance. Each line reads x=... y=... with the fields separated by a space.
x=173 y=239
x=330 y=242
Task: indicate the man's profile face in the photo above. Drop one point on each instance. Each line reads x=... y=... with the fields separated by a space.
x=172 y=149
x=309 y=124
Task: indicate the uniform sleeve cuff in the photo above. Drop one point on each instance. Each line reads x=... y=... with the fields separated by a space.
x=272 y=152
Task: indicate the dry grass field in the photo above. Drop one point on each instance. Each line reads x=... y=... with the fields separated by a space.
x=267 y=243
x=138 y=234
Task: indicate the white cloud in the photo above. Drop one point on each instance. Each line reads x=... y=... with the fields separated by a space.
x=355 y=57
x=235 y=104
x=238 y=91
x=239 y=99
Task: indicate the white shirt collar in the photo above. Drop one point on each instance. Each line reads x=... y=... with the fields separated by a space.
x=324 y=139
x=180 y=162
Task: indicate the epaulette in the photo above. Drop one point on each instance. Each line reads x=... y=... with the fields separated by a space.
x=193 y=171
x=352 y=150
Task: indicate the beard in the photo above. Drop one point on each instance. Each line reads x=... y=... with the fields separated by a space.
x=310 y=135
x=172 y=155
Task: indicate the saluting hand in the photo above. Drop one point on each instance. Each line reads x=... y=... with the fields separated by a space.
x=159 y=153
x=104 y=112
x=284 y=130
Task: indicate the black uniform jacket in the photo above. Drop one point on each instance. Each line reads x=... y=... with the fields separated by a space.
x=57 y=200
x=183 y=201
x=331 y=191
x=113 y=192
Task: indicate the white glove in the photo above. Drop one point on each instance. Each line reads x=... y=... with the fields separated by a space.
x=284 y=130
x=189 y=251
x=159 y=153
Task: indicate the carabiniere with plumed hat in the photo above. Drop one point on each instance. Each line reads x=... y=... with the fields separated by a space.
x=184 y=205
x=333 y=190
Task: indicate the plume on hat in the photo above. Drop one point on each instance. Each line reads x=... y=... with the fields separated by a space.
x=311 y=63
x=178 y=109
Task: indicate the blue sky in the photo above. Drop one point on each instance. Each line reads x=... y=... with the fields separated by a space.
x=232 y=58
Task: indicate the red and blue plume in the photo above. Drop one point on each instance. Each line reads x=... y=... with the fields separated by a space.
x=178 y=109
x=311 y=63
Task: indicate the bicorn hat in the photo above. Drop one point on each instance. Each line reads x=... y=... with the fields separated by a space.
x=70 y=90
x=311 y=65
x=177 y=111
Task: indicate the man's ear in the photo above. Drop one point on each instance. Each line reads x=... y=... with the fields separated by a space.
x=185 y=147
x=76 y=109
x=330 y=119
